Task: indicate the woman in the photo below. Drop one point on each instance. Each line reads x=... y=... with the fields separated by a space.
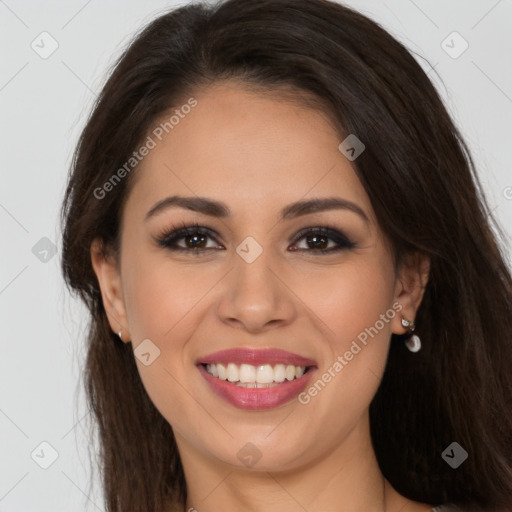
x=297 y=300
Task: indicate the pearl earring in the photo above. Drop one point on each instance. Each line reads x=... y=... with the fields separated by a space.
x=414 y=342
x=120 y=334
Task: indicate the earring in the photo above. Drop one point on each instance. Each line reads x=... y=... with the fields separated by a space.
x=120 y=334
x=414 y=342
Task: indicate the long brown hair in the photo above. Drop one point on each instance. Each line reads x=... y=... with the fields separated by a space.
x=422 y=183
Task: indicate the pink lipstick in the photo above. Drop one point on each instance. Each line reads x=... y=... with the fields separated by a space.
x=256 y=378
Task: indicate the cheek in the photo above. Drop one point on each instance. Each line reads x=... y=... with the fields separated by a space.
x=159 y=305
x=354 y=304
x=348 y=298
x=160 y=296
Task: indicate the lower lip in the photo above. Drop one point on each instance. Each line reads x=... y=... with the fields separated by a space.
x=257 y=398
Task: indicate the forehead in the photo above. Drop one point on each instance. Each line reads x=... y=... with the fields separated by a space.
x=246 y=148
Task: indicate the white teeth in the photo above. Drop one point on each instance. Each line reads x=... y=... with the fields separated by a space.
x=279 y=373
x=247 y=373
x=254 y=385
x=221 y=370
x=265 y=374
x=232 y=372
x=249 y=376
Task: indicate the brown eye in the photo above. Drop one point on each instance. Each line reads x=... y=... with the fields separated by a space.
x=195 y=239
x=318 y=240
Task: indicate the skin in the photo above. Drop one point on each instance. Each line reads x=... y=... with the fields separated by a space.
x=258 y=153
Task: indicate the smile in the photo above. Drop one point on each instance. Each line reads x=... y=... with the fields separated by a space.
x=256 y=379
x=250 y=376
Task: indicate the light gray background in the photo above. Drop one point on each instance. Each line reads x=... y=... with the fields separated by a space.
x=43 y=105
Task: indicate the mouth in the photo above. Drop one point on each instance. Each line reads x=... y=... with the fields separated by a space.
x=256 y=379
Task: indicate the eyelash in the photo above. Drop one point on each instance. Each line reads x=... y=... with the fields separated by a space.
x=168 y=238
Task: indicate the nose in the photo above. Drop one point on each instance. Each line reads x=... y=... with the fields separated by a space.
x=255 y=296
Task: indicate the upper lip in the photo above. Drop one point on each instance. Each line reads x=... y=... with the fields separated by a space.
x=256 y=357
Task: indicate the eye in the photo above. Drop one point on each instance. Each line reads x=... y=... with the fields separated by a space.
x=318 y=238
x=195 y=239
x=193 y=236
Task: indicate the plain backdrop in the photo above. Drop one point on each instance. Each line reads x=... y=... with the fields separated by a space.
x=44 y=100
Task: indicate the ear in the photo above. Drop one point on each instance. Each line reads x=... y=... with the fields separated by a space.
x=412 y=279
x=108 y=274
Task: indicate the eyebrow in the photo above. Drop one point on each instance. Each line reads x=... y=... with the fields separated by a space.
x=217 y=209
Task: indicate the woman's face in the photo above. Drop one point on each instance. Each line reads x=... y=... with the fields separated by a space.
x=252 y=283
